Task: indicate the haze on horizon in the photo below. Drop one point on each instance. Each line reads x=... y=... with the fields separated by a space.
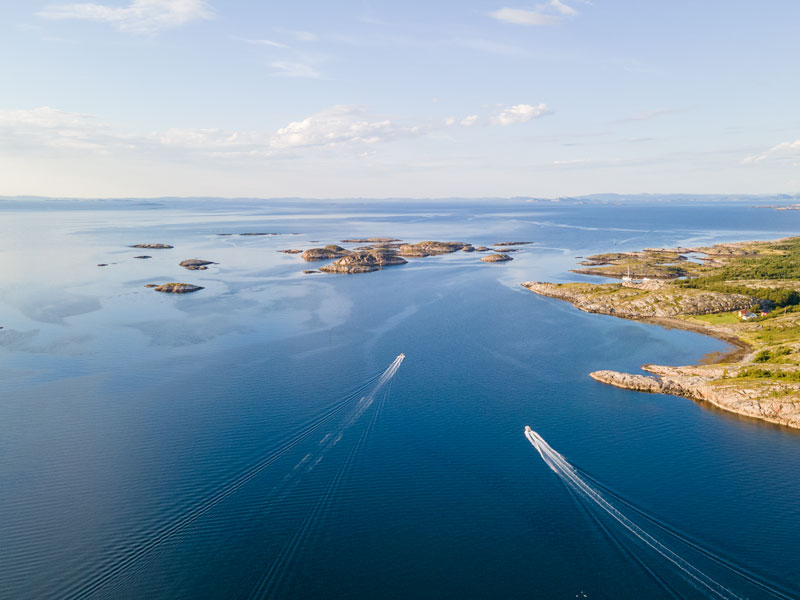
x=358 y=98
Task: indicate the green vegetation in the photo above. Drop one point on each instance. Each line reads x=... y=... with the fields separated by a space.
x=771 y=355
x=719 y=318
x=759 y=373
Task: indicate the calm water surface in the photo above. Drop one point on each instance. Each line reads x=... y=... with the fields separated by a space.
x=236 y=443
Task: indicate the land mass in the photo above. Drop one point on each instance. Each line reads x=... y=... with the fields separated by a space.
x=386 y=252
x=744 y=293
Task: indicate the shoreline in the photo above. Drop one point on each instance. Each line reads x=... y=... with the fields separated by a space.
x=706 y=382
x=740 y=348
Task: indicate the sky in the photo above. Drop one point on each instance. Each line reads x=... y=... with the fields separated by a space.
x=333 y=99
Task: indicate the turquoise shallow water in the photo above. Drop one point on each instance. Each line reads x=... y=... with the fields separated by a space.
x=183 y=447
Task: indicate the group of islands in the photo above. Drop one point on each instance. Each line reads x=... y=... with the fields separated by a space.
x=746 y=293
x=379 y=252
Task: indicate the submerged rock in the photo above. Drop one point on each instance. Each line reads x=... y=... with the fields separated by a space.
x=143 y=256
x=150 y=285
x=372 y=240
x=291 y=251
x=153 y=246
x=102 y=264
x=310 y=271
x=330 y=251
x=258 y=233
x=177 y=288
x=511 y=243
x=364 y=262
x=492 y=258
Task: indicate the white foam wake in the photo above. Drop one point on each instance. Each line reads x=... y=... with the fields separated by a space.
x=570 y=476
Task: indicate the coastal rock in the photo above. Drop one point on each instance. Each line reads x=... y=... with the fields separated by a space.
x=468 y=249
x=493 y=258
x=776 y=402
x=506 y=250
x=310 y=271
x=430 y=248
x=196 y=264
x=482 y=249
x=102 y=264
x=150 y=285
x=635 y=303
x=153 y=246
x=177 y=288
x=331 y=251
x=291 y=251
x=364 y=262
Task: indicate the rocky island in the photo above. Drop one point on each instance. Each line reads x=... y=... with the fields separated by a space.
x=364 y=262
x=196 y=264
x=422 y=249
x=383 y=252
x=746 y=293
x=493 y=258
x=330 y=251
x=176 y=288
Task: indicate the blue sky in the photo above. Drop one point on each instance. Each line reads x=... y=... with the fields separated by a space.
x=417 y=99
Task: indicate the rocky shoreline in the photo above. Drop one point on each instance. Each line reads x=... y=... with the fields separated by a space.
x=759 y=378
x=699 y=384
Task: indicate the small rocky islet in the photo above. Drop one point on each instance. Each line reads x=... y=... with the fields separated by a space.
x=493 y=258
x=175 y=288
x=196 y=264
x=364 y=262
x=153 y=246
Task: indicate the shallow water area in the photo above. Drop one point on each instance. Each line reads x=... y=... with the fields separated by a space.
x=219 y=444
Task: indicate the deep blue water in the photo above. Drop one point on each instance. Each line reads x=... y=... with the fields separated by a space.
x=160 y=446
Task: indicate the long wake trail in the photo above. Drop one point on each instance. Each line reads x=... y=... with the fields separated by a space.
x=583 y=488
x=277 y=571
x=127 y=555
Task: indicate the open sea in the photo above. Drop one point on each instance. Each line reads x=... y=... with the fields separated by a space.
x=261 y=439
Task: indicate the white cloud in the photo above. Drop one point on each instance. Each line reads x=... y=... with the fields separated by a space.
x=563 y=8
x=783 y=151
x=141 y=16
x=543 y=15
x=55 y=129
x=335 y=126
x=520 y=113
x=50 y=132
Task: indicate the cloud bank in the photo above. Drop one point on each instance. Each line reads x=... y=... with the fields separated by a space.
x=146 y=17
x=543 y=15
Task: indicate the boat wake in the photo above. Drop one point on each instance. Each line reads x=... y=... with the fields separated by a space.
x=127 y=555
x=654 y=553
